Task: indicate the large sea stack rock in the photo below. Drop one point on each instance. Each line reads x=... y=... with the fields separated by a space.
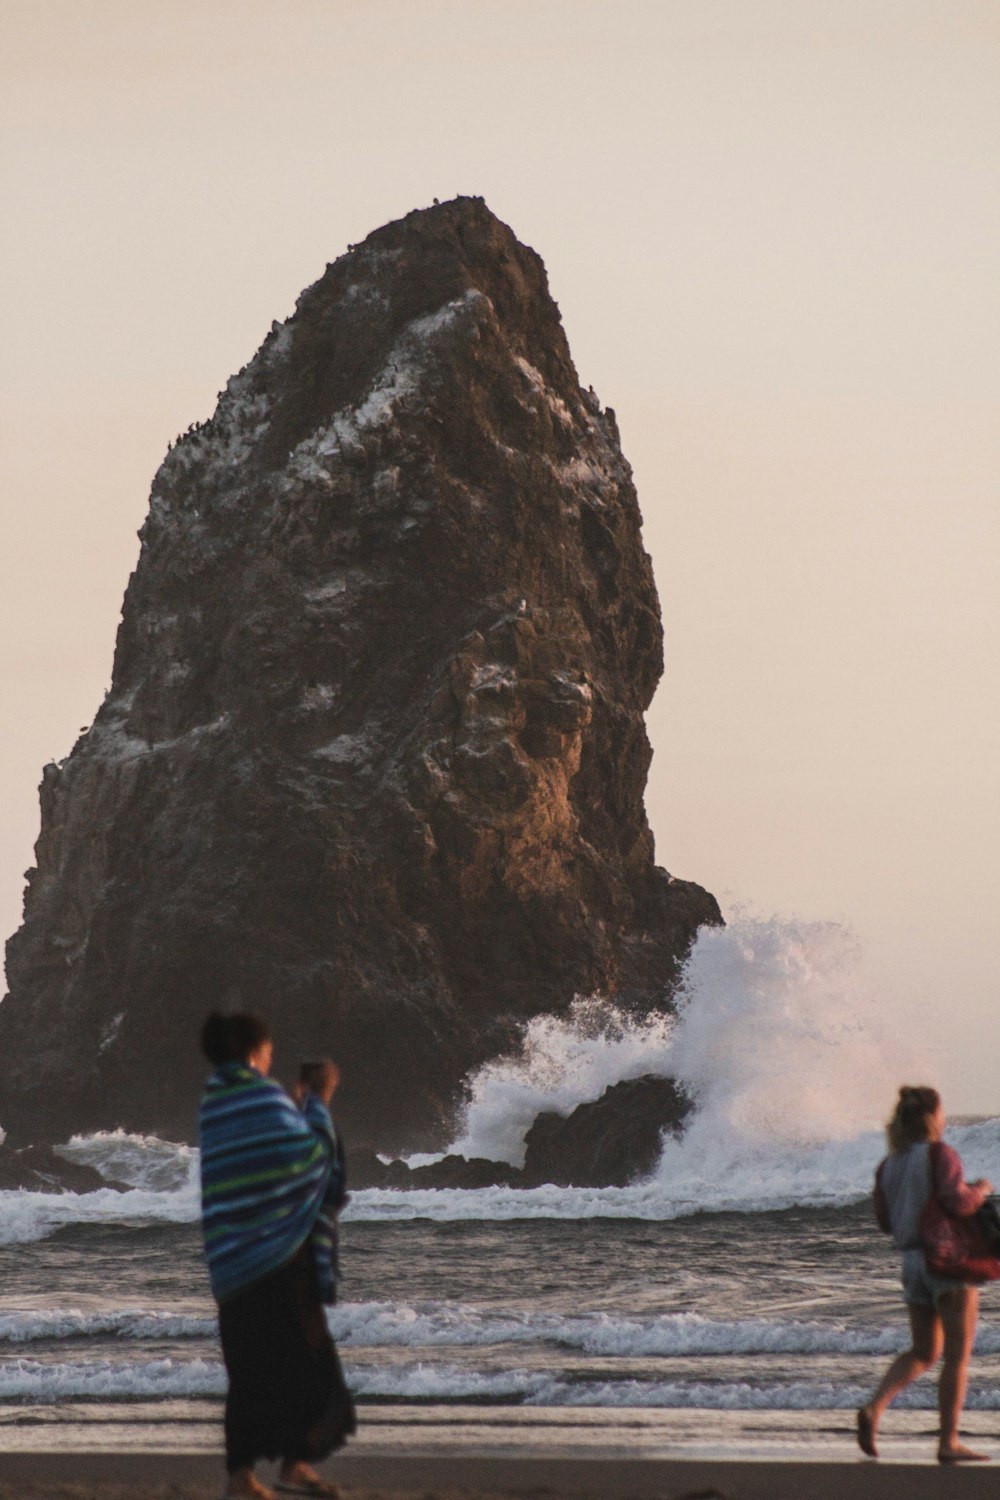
x=373 y=757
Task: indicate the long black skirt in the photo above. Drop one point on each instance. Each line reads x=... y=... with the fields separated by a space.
x=287 y=1398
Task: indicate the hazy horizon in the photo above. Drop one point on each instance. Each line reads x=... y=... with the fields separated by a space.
x=773 y=232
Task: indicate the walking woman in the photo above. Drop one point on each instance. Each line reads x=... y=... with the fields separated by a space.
x=272 y=1180
x=943 y=1309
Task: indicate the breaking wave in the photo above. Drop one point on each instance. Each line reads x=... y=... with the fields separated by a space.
x=143 y=1162
x=32 y=1382
x=432 y=1325
x=27 y=1216
x=777 y=1039
x=564 y=1061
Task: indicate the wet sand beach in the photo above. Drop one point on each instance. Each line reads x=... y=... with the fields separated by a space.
x=116 y=1476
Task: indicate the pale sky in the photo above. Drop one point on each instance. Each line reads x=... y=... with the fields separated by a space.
x=773 y=230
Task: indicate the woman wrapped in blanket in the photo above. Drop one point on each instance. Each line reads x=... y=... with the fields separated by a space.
x=943 y=1310
x=272 y=1180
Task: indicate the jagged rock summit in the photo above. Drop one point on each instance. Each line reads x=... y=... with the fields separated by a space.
x=373 y=757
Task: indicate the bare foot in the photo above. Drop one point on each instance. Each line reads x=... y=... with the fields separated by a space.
x=958 y=1453
x=301 y=1479
x=866 y=1433
x=245 y=1483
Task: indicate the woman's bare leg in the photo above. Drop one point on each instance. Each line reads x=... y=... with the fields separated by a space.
x=959 y=1312
x=927 y=1341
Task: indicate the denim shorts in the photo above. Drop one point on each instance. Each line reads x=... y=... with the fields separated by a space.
x=921 y=1287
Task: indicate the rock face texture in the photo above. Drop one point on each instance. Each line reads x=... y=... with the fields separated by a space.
x=373 y=757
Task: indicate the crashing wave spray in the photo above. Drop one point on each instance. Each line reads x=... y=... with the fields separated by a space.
x=779 y=1041
x=780 y=1034
x=564 y=1061
x=139 y=1161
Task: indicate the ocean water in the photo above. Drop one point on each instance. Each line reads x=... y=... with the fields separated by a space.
x=742 y=1296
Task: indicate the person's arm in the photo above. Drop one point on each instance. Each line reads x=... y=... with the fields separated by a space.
x=880 y=1203
x=955 y=1195
x=318 y=1117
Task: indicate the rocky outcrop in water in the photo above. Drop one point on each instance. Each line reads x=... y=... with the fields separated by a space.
x=365 y=1169
x=609 y=1142
x=373 y=757
x=615 y=1140
x=39 y=1169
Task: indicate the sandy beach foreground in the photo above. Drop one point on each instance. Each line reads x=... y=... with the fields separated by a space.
x=117 y=1476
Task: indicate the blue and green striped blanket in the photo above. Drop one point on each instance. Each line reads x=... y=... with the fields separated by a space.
x=271 y=1178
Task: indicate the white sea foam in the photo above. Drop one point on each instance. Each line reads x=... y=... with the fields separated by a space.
x=432 y=1382
x=31 y=1381
x=164 y=1188
x=778 y=1041
x=38 y=1325
x=26 y=1216
x=792 y=1395
x=437 y=1325
x=141 y=1161
x=781 y=1044
x=564 y=1061
x=703 y=1172
x=670 y=1335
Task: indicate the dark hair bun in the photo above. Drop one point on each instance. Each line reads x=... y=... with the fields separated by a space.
x=232 y=1038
